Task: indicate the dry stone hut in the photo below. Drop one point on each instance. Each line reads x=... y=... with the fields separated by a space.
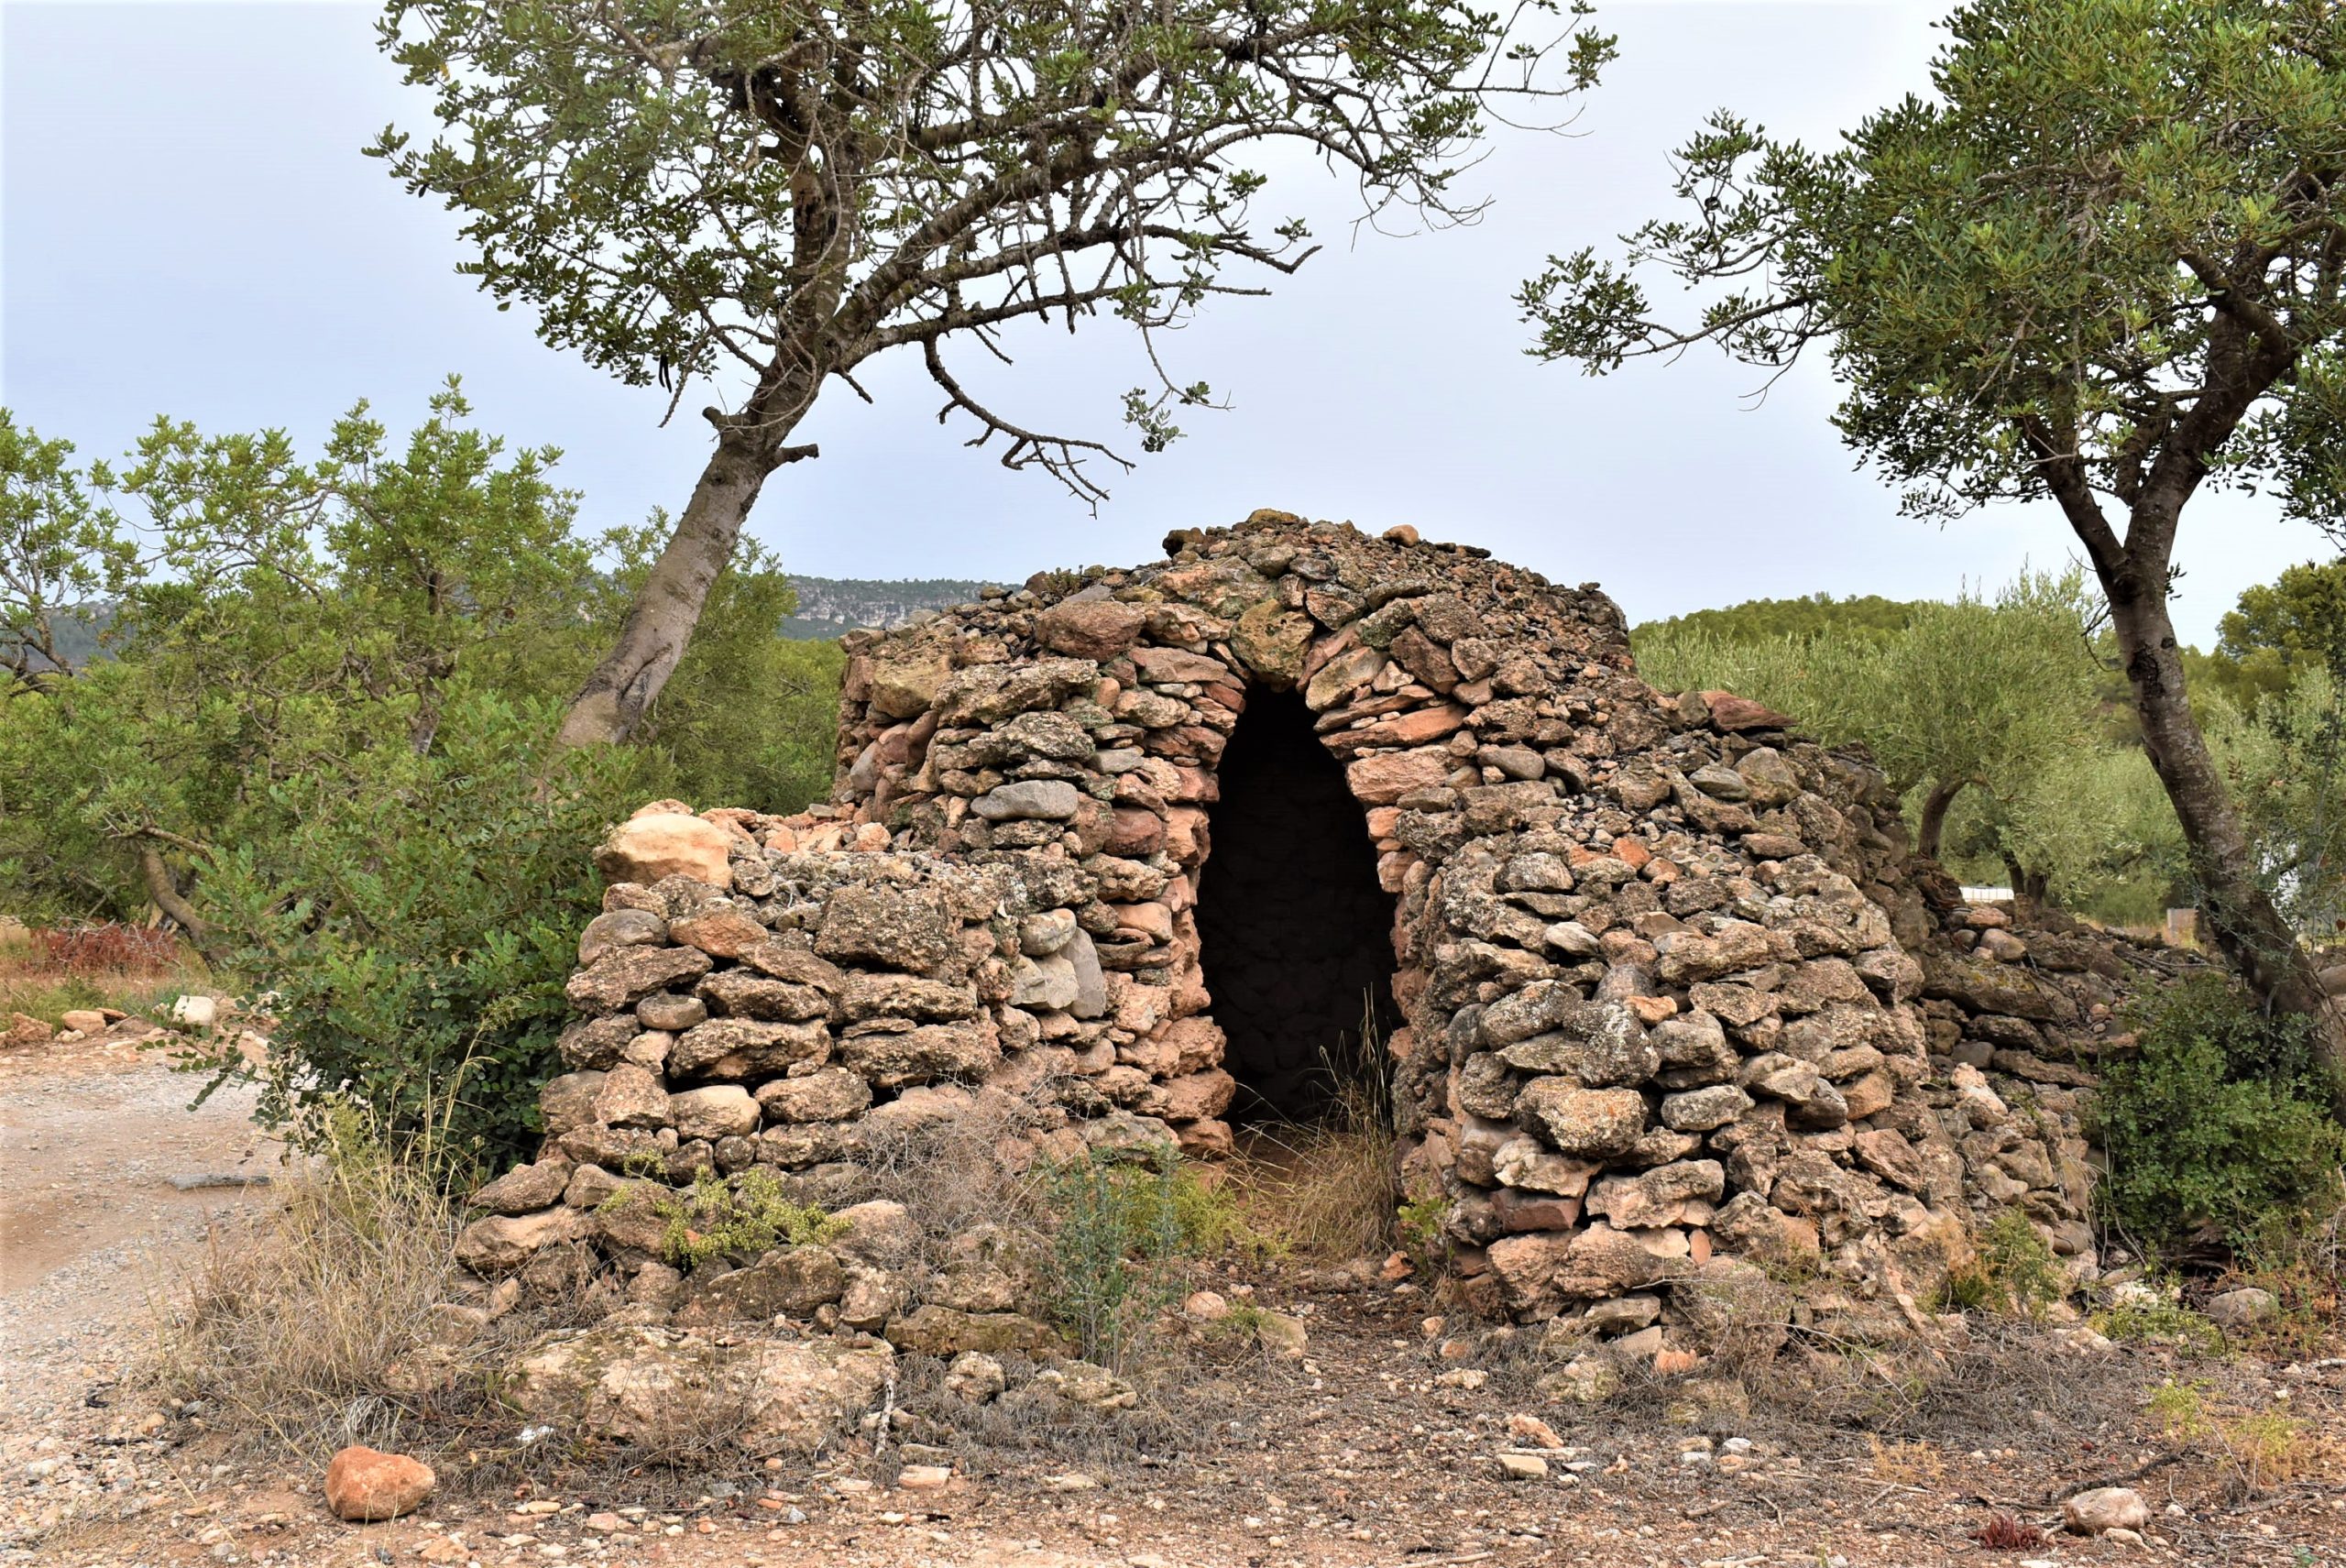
x=1153 y=854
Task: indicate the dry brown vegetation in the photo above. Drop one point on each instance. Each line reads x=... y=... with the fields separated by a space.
x=330 y=1317
x=45 y=972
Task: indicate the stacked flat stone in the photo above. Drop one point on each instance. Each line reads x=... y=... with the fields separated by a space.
x=1679 y=1008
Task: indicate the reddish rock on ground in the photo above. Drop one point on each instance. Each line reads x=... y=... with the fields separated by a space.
x=366 y=1485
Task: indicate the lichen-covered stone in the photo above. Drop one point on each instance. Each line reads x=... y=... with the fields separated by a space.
x=718 y=1111
x=893 y=927
x=1584 y=1123
x=746 y=1048
x=636 y=1383
x=624 y=976
x=526 y=1187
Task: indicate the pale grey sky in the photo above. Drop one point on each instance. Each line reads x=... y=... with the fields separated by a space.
x=189 y=229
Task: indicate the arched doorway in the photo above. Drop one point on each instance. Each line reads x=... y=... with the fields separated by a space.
x=1296 y=933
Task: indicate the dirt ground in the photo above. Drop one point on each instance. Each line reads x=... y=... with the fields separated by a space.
x=1375 y=1448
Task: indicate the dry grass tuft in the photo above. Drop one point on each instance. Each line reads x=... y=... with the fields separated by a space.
x=323 y=1319
x=1325 y=1191
x=1913 y=1463
x=1331 y=1189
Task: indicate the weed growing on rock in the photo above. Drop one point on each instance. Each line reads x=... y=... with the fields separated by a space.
x=739 y=1217
x=2014 y=1273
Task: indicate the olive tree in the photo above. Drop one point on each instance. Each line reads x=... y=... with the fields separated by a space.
x=2104 y=262
x=765 y=194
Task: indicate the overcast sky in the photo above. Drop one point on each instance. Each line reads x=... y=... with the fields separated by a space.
x=189 y=229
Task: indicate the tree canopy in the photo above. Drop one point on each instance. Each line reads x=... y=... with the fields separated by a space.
x=320 y=737
x=1979 y=692
x=767 y=193
x=1812 y=616
x=2103 y=263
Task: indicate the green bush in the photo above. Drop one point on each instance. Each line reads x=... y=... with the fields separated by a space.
x=2218 y=1124
x=416 y=925
x=1119 y=1229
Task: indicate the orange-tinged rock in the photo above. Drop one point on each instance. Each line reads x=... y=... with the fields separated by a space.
x=366 y=1485
x=1384 y=779
x=1653 y=1009
x=721 y=933
x=656 y=844
x=1734 y=714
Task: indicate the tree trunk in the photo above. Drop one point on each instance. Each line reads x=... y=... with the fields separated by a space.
x=1934 y=808
x=612 y=703
x=2028 y=891
x=2236 y=914
x=166 y=892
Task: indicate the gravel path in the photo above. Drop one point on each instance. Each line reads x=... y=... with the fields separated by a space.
x=92 y=1230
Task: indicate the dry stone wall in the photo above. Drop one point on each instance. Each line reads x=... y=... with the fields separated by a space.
x=1678 y=1019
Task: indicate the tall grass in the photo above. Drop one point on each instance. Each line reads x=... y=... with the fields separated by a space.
x=304 y=1323
x=1332 y=1188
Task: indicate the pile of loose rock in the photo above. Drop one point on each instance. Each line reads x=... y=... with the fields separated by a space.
x=1685 y=1023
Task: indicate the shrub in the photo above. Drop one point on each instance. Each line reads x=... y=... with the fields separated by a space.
x=416 y=926
x=2013 y=1270
x=740 y=1219
x=107 y=946
x=2217 y=1125
x=1119 y=1229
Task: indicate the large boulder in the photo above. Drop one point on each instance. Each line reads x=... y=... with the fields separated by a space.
x=502 y=1244
x=366 y=1486
x=1090 y=629
x=635 y=1383
x=786 y=1282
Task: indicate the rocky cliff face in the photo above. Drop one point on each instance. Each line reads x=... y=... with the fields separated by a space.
x=1676 y=1023
x=832 y=607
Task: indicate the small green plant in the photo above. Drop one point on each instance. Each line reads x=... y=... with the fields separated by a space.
x=739 y=1217
x=2217 y=1129
x=2164 y=1321
x=2181 y=1410
x=1417 y=1226
x=1119 y=1229
x=2013 y=1271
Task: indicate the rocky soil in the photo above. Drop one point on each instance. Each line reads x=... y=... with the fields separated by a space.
x=1363 y=1454
x=1390 y=1440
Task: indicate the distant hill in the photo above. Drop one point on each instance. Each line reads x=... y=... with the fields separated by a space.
x=830 y=607
x=78 y=631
